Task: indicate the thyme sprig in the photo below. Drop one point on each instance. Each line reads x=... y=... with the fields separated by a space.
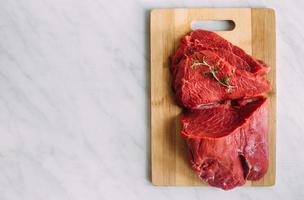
x=213 y=72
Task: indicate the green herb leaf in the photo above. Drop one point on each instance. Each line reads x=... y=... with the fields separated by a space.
x=213 y=71
x=226 y=81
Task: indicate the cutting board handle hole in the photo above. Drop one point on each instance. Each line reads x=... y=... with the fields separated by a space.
x=213 y=25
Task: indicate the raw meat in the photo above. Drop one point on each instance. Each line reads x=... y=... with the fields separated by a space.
x=226 y=122
x=195 y=84
x=228 y=144
x=201 y=39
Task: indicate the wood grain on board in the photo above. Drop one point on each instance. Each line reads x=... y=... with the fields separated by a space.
x=254 y=32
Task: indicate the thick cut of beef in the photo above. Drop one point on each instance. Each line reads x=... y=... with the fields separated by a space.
x=201 y=39
x=205 y=78
x=228 y=144
x=226 y=122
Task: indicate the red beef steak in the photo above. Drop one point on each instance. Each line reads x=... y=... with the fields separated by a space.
x=205 y=78
x=201 y=39
x=228 y=144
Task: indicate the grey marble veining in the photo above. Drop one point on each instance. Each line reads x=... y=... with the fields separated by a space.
x=74 y=97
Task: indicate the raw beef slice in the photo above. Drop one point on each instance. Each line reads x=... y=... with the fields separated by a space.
x=228 y=144
x=205 y=78
x=201 y=39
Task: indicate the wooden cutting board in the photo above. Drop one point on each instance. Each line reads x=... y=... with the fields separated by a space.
x=254 y=32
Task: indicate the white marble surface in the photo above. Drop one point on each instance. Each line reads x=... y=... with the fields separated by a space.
x=74 y=101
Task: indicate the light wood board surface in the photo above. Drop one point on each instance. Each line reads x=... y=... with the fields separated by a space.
x=254 y=32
